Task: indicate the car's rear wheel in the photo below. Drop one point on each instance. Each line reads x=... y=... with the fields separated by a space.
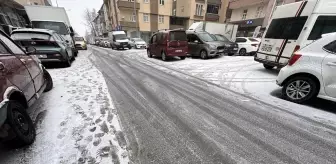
x=67 y=61
x=268 y=66
x=204 y=54
x=231 y=54
x=49 y=81
x=21 y=124
x=182 y=57
x=242 y=52
x=163 y=56
x=300 y=89
x=149 y=54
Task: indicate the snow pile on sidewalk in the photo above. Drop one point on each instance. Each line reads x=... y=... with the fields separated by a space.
x=76 y=122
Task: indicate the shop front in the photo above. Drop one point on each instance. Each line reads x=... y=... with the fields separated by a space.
x=246 y=28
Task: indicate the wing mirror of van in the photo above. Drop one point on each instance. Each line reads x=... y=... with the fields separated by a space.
x=72 y=34
x=31 y=50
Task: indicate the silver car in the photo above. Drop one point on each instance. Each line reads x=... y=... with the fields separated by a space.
x=138 y=43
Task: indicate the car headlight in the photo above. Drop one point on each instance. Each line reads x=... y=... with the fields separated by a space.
x=213 y=46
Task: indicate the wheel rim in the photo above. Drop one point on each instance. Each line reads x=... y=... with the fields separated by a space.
x=21 y=122
x=298 y=89
x=242 y=52
x=163 y=56
x=203 y=54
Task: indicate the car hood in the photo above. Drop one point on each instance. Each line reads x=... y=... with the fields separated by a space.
x=216 y=43
x=140 y=42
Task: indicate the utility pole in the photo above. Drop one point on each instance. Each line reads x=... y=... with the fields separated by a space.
x=136 y=19
x=57 y=3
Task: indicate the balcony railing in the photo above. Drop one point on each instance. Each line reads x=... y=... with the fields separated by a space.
x=211 y=17
x=236 y=4
x=126 y=4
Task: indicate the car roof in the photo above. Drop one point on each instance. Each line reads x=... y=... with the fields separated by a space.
x=35 y=30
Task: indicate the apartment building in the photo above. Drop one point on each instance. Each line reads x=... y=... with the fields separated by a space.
x=249 y=14
x=35 y=2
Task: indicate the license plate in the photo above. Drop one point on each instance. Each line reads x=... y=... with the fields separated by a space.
x=235 y=48
x=42 y=56
x=266 y=48
x=178 y=50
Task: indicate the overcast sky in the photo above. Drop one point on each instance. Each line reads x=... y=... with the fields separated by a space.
x=75 y=10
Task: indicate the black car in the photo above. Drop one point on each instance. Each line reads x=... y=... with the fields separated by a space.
x=231 y=48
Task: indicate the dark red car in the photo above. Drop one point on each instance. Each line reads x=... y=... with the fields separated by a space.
x=168 y=43
x=22 y=80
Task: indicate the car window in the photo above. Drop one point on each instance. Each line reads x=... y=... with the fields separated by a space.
x=331 y=47
x=13 y=47
x=241 y=40
x=177 y=35
x=323 y=25
x=3 y=49
x=154 y=39
x=286 y=28
x=253 y=40
x=192 y=38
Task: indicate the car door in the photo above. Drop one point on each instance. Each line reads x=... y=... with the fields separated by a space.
x=329 y=69
x=154 y=45
x=193 y=42
x=13 y=68
x=242 y=43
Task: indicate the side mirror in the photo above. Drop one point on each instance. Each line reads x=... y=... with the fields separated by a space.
x=72 y=34
x=196 y=41
x=66 y=41
x=31 y=50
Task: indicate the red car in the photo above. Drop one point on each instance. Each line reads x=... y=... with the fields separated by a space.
x=168 y=43
x=22 y=81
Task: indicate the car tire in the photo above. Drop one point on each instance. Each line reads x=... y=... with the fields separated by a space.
x=242 y=52
x=75 y=54
x=230 y=54
x=204 y=54
x=300 y=89
x=163 y=56
x=67 y=61
x=49 y=81
x=149 y=54
x=21 y=124
x=129 y=47
x=269 y=67
x=182 y=57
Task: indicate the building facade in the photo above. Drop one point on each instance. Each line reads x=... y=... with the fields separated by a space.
x=35 y=2
x=249 y=14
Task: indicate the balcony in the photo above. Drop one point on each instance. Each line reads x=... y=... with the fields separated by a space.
x=128 y=24
x=128 y=5
x=236 y=4
x=211 y=17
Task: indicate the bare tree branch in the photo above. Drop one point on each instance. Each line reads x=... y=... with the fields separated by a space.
x=89 y=16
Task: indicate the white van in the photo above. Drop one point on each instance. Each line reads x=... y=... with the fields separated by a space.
x=294 y=26
x=119 y=40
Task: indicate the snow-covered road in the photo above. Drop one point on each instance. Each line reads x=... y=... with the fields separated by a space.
x=76 y=122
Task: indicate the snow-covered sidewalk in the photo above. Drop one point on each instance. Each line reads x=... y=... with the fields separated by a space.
x=76 y=122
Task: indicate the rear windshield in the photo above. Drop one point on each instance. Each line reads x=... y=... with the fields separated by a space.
x=253 y=40
x=79 y=39
x=30 y=36
x=59 y=27
x=286 y=28
x=178 y=36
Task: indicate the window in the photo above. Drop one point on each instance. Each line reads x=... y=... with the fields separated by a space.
x=199 y=10
x=154 y=39
x=244 y=14
x=253 y=40
x=192 y=38
x=161 y=19
x=178 y=36
x=161 y=2
x=132 y=17
x=174 y=12
x=146 y=17
x=3 y=49
x=146 y=1
x=176 y=21
x=323 y=25
x=130 y=0
x=212 y=9
x=259 y=12
x=286 y=28
x=13 y=47
x=331 y=47
x=241 y=40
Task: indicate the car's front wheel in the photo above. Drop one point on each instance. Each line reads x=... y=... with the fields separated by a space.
x=242 y=52
x=163 y=56
x=204 y=54
x=300 y=89
x=21 y=124
x=182 y=57
x=268 y=66
x=67 y=61
x=149 y=54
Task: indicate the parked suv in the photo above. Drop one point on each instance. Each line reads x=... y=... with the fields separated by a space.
x=311 y=72
x=205 y=45
x=168 y=43
x=22 y=81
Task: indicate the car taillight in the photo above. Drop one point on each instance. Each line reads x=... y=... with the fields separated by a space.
x=294 y=59
x=254 y=45
x=297 y=48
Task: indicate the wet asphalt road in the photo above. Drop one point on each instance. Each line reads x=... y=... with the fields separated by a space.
x=168 y=118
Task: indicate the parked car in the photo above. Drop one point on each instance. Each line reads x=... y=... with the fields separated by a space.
x=50 y=46
x=230 y=48
x=138 y=43
x=311 y=72
x=105 y=43
x=247 y=45
x=119 y=40
x=167 y=44
x=80 y=43
x=22 y=80
x=204 y=45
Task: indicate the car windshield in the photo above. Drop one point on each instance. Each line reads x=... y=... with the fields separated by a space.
x=206 y=37
x=79 y=39
x=120 y=36
x=59 y=27
x=221 y=38
x=30 y=36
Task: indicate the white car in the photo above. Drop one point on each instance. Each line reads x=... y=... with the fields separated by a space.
x=311 y=72
x=138 y=43
x=247 y=45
